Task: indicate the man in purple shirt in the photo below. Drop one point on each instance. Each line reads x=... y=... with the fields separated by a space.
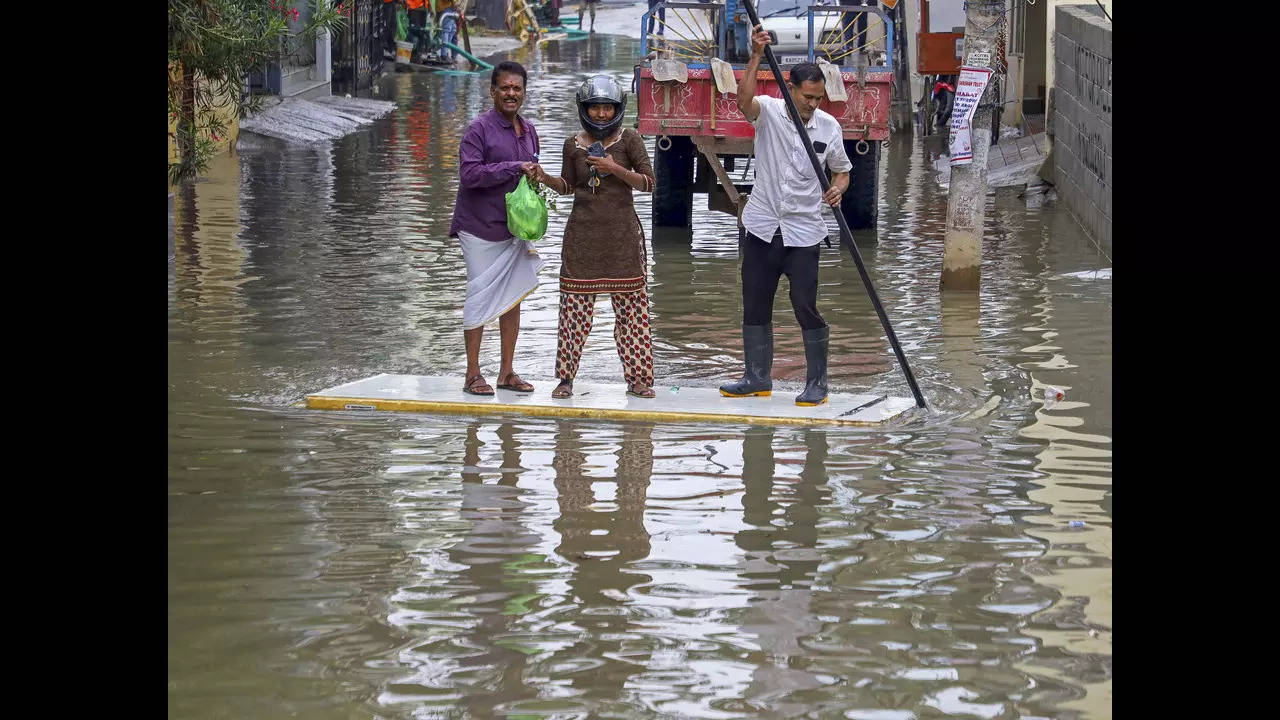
x=502 y=270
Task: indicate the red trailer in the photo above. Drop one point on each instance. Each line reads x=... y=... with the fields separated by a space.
x=698 y=127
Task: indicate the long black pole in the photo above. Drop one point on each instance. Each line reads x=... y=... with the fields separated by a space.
x=846 y=237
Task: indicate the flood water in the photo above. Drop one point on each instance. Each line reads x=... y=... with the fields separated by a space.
x=955 y=563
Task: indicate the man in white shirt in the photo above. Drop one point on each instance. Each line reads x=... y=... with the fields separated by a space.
x=785 y=207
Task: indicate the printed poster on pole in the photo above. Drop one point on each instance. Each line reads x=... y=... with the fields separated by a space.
x=973 y=80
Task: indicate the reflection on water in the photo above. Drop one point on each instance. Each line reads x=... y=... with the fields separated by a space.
x=335 y=565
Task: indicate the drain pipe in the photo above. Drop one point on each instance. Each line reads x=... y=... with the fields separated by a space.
x=483 y=65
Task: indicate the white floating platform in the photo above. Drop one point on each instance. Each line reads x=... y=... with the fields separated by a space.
x=434 y=394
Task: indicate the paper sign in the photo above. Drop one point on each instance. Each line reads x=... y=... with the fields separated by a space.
x=722 y=73
x=665 y=70
x=969 y=89
x=980 y=59
x=833 y=81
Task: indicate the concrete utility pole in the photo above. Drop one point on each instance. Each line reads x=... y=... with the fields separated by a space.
x=966 y=202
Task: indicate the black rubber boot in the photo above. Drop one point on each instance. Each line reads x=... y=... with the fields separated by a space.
x=815 y=358
x=757 y=346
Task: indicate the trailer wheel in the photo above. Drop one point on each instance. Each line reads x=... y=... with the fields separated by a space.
x=673 y=194
x=859 y=202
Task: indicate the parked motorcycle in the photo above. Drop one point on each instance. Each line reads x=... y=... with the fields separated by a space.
x=942 y=99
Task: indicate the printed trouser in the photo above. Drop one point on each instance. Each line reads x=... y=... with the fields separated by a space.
x=630 y=332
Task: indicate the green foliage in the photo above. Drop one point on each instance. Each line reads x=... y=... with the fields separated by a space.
x=213 y=44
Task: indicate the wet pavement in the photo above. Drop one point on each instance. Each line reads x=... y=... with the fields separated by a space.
x=337 y=565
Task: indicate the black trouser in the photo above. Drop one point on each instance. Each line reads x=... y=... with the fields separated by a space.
x=659 y=15
x=417 y=29
x=763 y=264
x=389 y=26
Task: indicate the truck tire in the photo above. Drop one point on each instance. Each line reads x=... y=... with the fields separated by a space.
x=673 y=194
x=859 y=202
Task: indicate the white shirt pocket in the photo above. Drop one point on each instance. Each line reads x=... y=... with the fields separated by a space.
x=799 y=169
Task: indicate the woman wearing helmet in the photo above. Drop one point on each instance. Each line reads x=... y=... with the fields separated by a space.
x=603 y=249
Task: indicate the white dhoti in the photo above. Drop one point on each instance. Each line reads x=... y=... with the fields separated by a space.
x=499 y=275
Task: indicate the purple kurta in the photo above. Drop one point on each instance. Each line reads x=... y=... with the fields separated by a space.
x=491 y=156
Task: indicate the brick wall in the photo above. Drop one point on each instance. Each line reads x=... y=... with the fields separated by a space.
x=1081 y=116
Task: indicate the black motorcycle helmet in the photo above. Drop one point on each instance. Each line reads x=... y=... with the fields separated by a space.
x=598 y=90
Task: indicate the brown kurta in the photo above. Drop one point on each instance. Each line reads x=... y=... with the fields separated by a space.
x=603 y=248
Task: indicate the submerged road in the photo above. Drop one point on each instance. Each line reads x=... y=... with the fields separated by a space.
x=345 y=564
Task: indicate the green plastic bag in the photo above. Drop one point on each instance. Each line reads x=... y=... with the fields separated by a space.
x=526 y=212
x=402 y=24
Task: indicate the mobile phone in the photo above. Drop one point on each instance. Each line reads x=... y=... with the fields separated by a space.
x=596 y=149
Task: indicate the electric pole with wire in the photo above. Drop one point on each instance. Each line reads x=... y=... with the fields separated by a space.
x=966 y=200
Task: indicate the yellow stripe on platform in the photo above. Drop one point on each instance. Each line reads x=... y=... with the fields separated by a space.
x=433 y=394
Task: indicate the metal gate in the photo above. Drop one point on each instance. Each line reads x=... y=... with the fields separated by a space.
x=357 y=56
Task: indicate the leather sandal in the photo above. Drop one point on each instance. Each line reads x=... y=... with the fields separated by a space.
x=640 y=390
x=477 y=386
x=519 y=385
x=563 y=390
